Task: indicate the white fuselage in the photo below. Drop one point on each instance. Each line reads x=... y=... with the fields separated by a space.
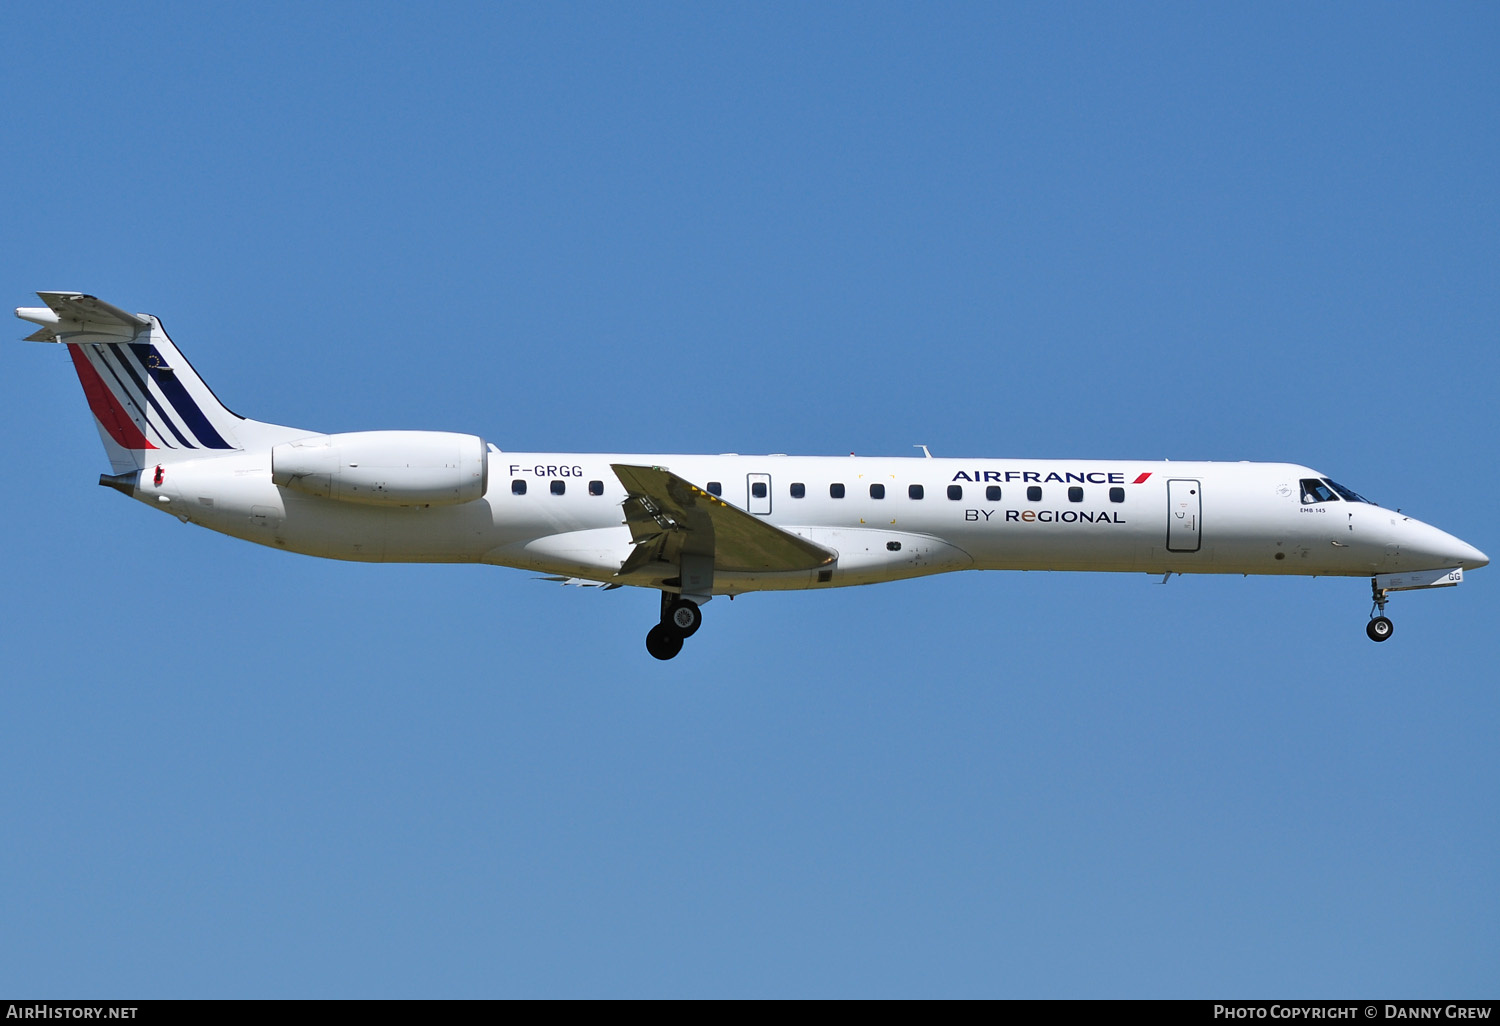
x=697 y=526
x=1152 y=517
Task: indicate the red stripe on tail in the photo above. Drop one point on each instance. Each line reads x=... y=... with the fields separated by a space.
x=106 y=407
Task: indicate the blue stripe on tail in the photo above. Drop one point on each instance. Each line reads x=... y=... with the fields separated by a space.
x=104 y=352
x=178 y=396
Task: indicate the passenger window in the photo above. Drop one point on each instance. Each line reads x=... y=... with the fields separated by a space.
x=1315 y=491
x=1075 y=494
x=877 y=491
x=758 y=489
x=715 y=488
x=914 y=491
x=558 y=487
x=518 y=487
x=992 y=493
x=799 y=490
x=956 y=492
x=1117 y=495
x=1034 y=493
x=835 y=491
x=596 y=487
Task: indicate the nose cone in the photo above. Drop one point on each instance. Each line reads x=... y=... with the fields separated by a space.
x=1425 y=546
x=1472 y=558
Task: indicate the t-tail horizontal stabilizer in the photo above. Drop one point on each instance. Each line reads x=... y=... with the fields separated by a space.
x=75 y=317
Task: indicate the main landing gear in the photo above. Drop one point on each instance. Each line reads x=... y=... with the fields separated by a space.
x=1380 y=627
x=680 y=619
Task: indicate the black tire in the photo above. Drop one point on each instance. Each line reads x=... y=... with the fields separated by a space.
x=662 y=642
x=683 y=618
x=1380 y=629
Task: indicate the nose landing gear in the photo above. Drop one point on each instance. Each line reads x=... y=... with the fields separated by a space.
x=1380 y=627
x=680 y=619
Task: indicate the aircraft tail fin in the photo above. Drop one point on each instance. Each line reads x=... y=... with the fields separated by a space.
x=150 y=406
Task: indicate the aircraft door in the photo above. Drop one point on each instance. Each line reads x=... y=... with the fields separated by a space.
x=758 y=487
x=1184 y=515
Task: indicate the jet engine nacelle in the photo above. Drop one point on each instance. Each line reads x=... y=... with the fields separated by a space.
x=385 y=468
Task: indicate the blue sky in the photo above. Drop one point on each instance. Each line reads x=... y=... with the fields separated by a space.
x=1085 y=230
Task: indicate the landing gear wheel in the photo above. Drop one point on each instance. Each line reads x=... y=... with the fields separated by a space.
x=663 y=642
x=684 y=617
x=1380 y=628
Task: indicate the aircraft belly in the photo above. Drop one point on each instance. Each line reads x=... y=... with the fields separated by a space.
x=594 y=553
x=439 y=534
x=471 y=532
x=342 y=530
x=868 y=554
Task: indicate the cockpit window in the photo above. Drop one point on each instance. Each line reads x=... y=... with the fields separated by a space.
x=1314 y=491
x=1346 y=494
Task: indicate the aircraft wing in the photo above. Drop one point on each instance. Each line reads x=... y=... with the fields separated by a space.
x=669 y=516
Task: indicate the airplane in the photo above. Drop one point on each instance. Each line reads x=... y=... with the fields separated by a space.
x=696 y=526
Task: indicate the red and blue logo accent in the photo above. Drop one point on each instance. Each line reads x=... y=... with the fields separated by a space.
x=120 y=378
